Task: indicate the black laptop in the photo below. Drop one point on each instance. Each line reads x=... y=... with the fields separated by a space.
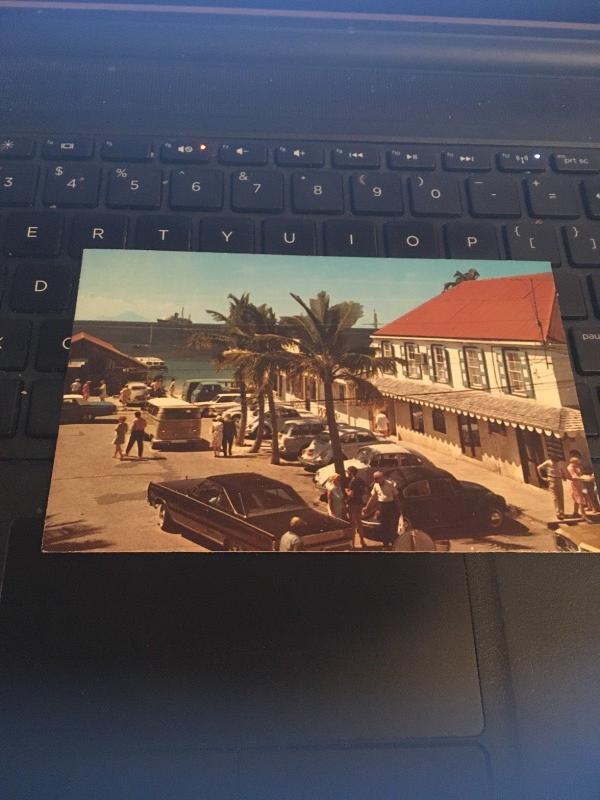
x=172 y=675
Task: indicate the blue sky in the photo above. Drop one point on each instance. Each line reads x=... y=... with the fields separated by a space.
x=136 y=284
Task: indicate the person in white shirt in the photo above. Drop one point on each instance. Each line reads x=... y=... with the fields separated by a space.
x=172 y=388
x=291 y=541
x=76 y=386
x=385 y=495
x=382 y=423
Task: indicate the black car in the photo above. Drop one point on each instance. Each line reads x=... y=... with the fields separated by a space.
x=434 y=501
x=76 y=409
x=243 y=511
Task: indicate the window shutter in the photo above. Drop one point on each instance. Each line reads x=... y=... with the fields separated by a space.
x=501 y=367
x=432 y=371
x=463 y=366
x=405 y=364
x=447 y=357
x=483 y=369
x=527 y=380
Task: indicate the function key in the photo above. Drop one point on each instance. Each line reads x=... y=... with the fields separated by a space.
x=355 y=155
x=243 y=153
x=16 y=147
x=127 y=150
x=411 y=158
x=462 y=160
x=185 y=152
x=307 y=155
x=521 y=161
x=582 y=161
x=68 y=149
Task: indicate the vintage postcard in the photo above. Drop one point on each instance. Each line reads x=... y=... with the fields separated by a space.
x=219 y=402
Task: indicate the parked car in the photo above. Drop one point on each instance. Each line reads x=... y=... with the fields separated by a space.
x=582 y=537
x=76 y=409
x=319 y=453
x=219 y=404
x=243 y=511
x=198 y=390
x=172 y=422
x=284 y=413
x=297 y=434
x=381 y=457
x=139 y=393
x=434 y=501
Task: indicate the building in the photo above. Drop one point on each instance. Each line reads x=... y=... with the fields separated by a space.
x=484 y=373
x=91 y=358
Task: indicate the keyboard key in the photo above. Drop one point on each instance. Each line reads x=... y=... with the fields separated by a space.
x=463 y=159
x=163 y=233
x=411 y=158
x=472 y=240
x=376 y=193
x=529 y=242
x=127 y=150
x=226 y=235
x=435 y=196
x=411 y=240
x=570 y=295
x=33 y=233
x=521 y=161
x=353 y=155
x=317 y=193
x=53 y=346
x=350 y=238
x=15 y=335
x=134 y=187
x=305 y=155
x=41 y=288
x=72 y=149
x=17 y=184
x=178 y=152
x=257 y=190
x=10 y=397
x=44 y=408
x=591 y=197
x=250 y=154
x=594 y=282
x=586 y=344
x=16 y=147
x=494 y=197
x=72 y=185
x=588 y=408
x=289 y=237
x=196 y=189
x=577 y=162
x=88 y=231
x=583 y=244
x=552 y=197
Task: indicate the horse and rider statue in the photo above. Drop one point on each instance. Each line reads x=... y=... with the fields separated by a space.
x=460 y=277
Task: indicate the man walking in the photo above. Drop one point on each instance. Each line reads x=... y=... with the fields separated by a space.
x=229 y=432
x=291 y=541
x=382 y=423
x=553 y=473
x=76 y=386
x=385 y=494
x=138 y=427
x=355 y=494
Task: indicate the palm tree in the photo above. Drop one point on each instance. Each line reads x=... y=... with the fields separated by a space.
x=324 y=351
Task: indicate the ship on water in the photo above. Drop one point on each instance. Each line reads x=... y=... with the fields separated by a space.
x=176 y=320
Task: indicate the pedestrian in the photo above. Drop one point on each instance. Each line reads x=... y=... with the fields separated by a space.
x=336 y=504
x=291 y=541
x=580 y=487
x=119 y=438
x=217 y=436
x=102 y=390
x=138 y=427
x=76 y=386
x=172 y=387
x=586 y=466
x=382 y=423
x=86 y=391
x=125 y=396
x=355 y=500
x=385 y=494
x=553 y=472
x=229 y=434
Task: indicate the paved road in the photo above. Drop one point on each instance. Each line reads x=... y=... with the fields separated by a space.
x=98 y=503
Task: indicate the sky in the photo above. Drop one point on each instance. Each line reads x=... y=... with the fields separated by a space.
x=144 y=285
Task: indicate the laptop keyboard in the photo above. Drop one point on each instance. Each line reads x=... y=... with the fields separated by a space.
x=59 y=196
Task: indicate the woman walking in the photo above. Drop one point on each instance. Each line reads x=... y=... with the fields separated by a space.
x=86 y=391
x=579 y=487
x=119 y=439
x=102 y=390
x=336 y=503
x=217 y=436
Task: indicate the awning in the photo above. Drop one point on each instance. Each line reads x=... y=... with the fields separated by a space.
x=556 y=421
x=77 y=363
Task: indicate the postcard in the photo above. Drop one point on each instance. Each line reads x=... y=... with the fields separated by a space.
x=222 y=403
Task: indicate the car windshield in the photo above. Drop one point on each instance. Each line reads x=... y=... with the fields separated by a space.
x=261 y=500
x=364 y=456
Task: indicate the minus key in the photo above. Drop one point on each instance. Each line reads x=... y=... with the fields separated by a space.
x=586 y=342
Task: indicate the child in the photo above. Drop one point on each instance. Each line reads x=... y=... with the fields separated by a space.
x=119 y=439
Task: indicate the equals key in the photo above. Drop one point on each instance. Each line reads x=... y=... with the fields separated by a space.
x=586 y=343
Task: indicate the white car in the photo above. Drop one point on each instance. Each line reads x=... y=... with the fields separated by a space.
x=139 y=392
x=382 y=457
x=221 y=404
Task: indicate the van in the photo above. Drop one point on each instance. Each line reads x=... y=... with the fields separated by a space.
x=203 y=389
x=172 y=422
x=296 y=434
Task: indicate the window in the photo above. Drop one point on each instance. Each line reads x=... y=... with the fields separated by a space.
x=441 y=364
x=341 y=391
x=417 y=423
x=439 y=420
x=417 y=489
x=365 y=437
x=499 y=428
x=413 y=361
x=516 y=368
x=387 y=349
x=475 y=368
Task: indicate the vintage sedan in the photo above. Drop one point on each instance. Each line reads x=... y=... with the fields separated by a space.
x=243 y=511
x=579 y=537
x=76 y=409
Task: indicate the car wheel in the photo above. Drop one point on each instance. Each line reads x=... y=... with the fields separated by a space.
x=87 y=417
x=493 y=517
x=163 y=517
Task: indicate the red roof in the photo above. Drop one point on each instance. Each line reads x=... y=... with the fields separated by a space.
x=81 y=336
x=516 y=308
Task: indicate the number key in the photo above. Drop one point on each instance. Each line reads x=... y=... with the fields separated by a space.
x=72 y=185
x=256 y=190
x=317 y=193
x=200 y=189
x=17 y=184
x=134 y=187
x=435 y=196
x=376 y=194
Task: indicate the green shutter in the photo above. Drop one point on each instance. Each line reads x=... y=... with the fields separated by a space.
x=447 y=357
x=501 y=367
x=483 y=369
x=527 y=380
x=405 y=364
x=463 y=366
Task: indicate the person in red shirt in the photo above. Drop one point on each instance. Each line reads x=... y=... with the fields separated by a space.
x=138 y=427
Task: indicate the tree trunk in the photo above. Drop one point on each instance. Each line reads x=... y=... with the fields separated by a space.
x=260 y=398
x=274 y=427
x=334 y=436
x=241 y=436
